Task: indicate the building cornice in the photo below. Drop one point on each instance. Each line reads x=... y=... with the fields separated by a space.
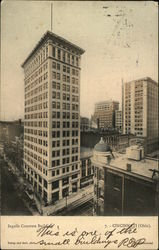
x=50 y=35
x=122 y=171
x=149 y=79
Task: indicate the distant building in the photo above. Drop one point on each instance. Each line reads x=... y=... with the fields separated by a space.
x=124 y=184
x=140 y=108
x=52 y=117
x=84 y=124
x=10 y=129
x=118 y=120
x=93 y=123
x=117 y=141
x=105 y=114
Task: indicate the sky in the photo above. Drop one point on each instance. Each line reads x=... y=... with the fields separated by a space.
x=120 y=39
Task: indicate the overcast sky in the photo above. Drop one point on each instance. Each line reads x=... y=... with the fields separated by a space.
x=119 y=39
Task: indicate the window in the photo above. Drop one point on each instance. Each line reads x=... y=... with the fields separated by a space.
x=83 y=172
x=54 y=65
x=54 y=75
x=73 y=60
x=58 y=105
x=64 y=56
x=89 y=171
x=55 y=163
x=68 y=79
x=65 y=181
x=55 y=184
x=55 y=196
x=74 y=187
x=45 y=183
x=58 y=114
x=40 y=179
x=74 y=176
x=77 y=61
x=54 y=52
x=64 y=78
x=58 y=66
x=58 y=86
x=68 y=58
x=64 y=96
x=64 y=68
x=53 y=94
x=59 y=54
x=65 y=192
x=58 y=76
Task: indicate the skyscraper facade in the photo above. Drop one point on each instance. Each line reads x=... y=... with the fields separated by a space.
x=52 y=117
x=104 y=113
x=140 y=108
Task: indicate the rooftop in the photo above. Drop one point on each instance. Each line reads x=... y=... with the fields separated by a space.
x=137 y=167
x=102 y=146
x=106 y=102
x=143 y=79
x=50 y=35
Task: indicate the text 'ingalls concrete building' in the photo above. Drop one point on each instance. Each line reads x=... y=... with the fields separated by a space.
x=52 y=117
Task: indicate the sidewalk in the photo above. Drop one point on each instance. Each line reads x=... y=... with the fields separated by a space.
x=20 y=186
x=70 y=202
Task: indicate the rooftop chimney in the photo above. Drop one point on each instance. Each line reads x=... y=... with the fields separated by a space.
x=128 y=167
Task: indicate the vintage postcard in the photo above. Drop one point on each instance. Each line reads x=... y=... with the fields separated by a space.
x=79 y=125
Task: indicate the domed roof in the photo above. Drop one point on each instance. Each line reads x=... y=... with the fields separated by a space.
x=102 y=146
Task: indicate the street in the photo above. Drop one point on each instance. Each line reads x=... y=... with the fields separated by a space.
x=11 y=202
x=85 y=209
x=15 y=202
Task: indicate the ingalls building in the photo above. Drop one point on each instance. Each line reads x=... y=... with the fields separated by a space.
x=52 y=117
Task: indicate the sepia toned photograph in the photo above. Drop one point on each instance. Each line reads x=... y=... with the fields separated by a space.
x=79 y=108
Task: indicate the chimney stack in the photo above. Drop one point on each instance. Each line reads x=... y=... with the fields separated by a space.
x=128 y=167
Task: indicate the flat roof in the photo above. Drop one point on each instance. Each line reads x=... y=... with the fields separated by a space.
x=51 y=35
x=143 y=79
x=105 y=102
x=137 y=167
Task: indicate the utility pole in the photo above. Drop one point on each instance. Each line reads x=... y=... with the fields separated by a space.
x=51 y=16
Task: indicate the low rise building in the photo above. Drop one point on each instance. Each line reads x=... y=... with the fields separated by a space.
x=124 y=184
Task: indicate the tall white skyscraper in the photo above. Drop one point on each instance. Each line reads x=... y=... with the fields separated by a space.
x=140 y=106
x=52 y=117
